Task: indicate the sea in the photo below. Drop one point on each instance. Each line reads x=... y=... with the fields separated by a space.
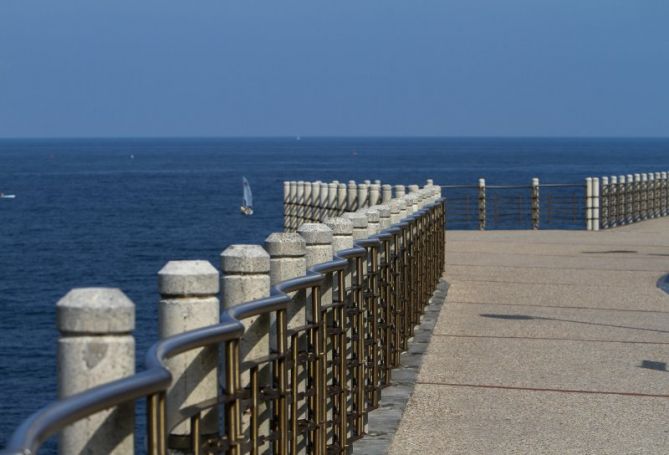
x=112 y=212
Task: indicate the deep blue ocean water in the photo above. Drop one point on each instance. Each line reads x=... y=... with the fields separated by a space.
x=88 y=214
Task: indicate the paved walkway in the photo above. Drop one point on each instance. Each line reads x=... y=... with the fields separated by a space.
x=549 y=342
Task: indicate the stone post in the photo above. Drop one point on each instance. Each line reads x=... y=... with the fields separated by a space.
x=188 y=301
x=622 y=201
x=482 y=204
x=613 y=200
x=359 y=221
x=332 y=200
x=286 y=205
x=352 y=197
x=245 y=278
x=399 y=191
x=665 y=196
x=96 y=347
x=595 y=203
x=373 y=221
x=588 y=204
x=374 y=194
x=341 y=199
x=363 y=196
x=535 y=203
x=605 y=203
x=402 y=207
x=387 y=193
x=286 y=252
x=323 y=203
x=315 y=201
x=342 y=233
x=394 y=212
x=636 y=198
x=301 y=203
x=384 y=216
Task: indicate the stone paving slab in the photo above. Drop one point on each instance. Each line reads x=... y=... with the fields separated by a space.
x=480 y=320
x=547 y=344
x=546 y=364
x=467 y=420
x=633 y=297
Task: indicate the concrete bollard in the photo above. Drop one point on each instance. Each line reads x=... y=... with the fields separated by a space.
x=363 y=196
x=96 y=347
x=301 y=203
x=359 y=221
x=287 y=260
x=622 y=200
x=384 y=216
x=402 y=208
x=188 y=301
x=293 y=206
x=352 y=196
x=315 y=201
x=605 y=200
x=588 y=203
x=535 y=203
x=286 y=205
x=394 y=212
x=341 y=199
x=482 y=204
x=367 y=182
x=373 y=221
x=342 y=233
x=412 y=203
x=665 y=198
x=386 y=193
x=245 y=278
x=595 y=204
x=399 y=191
x=374 y=194
x=636 y=198
x=331 y=205
x=323 y=202
x=613 y=201
x=413 y=188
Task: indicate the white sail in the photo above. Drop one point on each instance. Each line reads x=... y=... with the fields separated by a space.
x=248 y=196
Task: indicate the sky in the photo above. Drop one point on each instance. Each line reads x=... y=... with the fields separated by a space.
x=154 y=68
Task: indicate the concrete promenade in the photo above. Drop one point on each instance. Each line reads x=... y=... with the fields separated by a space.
x=549 y=342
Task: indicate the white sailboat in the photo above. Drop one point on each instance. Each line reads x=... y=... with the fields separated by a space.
x=7 y=196
x=247 y=201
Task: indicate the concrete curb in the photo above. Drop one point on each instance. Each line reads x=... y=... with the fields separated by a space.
x=384 y=421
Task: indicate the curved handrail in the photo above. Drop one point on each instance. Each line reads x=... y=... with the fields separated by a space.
x=52 y=418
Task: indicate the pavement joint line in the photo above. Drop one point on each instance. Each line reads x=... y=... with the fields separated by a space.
x=541 y=389
x=543 y=267
x=454 y=279
x=586 y=308
x=577 y=255
x=548 y=339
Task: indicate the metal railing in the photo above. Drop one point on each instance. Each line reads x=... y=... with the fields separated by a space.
x=346 y=351
x=530 y=206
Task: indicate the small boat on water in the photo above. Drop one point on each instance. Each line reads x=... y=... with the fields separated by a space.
x=7 y=196
x=247 y=200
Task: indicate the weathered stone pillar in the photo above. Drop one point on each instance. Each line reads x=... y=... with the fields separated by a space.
x=96 y=347
x=374 y=194
x=359 y=221
x=188 y=301
x=363 y=196
x=341 y=199
x=287 y=251
x=286 y=205
x=387 y=193
x=384 y=216
x=316 y=201
x=413 y=188
x=352 y=196
x=399 y=191
x=245 y=278
x=332 y=201
x=402 y=207
x=301 y=198
x=394 y=211
x=373 y=221
x=342 y=233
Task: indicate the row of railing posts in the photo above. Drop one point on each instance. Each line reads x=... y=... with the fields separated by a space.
x=303 y=376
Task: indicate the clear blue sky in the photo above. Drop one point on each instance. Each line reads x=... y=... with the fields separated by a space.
x=337 y=68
